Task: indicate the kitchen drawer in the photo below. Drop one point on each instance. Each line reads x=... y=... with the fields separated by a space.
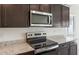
x=63 y=51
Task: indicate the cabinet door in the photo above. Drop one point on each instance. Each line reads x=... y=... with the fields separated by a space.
x=73 y=48
x=65 y=16
x=34 y=7
x=57 y=15
x=15 y=15
x=45 y=7
x=0 y=15
x=63 y=49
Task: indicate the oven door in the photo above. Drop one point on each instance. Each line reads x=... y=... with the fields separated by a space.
x=53 y=50
x=50 y=52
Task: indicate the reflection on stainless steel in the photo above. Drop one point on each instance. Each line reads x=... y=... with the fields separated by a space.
x=46 y=49
x=38 y=18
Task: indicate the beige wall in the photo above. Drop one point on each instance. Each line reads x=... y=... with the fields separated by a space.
x=8 y=34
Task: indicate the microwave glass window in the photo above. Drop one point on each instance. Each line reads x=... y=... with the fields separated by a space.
x=39 y=19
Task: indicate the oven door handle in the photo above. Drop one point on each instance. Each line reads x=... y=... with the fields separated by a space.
x=46 y=49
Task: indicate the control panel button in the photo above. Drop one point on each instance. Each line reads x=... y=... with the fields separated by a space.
x=44 y=33
x=29 y=34
x=44 y=44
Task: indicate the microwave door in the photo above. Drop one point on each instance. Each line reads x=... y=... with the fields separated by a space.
x=40 y=19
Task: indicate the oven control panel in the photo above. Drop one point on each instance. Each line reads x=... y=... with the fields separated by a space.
x=32 y=35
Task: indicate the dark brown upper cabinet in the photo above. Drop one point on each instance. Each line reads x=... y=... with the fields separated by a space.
x=56 y=11
x=18 y=15
x=40 y=7
x=15 y=15
x=60 y=15
x=34 y=7
x=45 y=7
x=0 y=15
x=65 y=16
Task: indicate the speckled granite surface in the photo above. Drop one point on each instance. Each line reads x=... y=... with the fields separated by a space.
x=60 y=38
x=14 y=47
x=57 y=38
x=20 y=46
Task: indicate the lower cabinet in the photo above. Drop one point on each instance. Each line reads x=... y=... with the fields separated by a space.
x=73 y=48
x=63 y=49
x=0 y=15
x=69 y=48
x=15 y=15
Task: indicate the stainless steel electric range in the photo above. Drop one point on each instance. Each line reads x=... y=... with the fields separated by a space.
x=41 y=44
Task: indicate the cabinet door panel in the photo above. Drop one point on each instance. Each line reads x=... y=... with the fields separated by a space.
x=63 y=49
x=65 y=16
x=34 y=7
x=15 y=15
x=60 y=15
x=73 y=50
x=45 y=7
x=0 y=15
x=57 y=16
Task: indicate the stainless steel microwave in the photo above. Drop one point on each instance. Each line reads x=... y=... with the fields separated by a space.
x=38 y=18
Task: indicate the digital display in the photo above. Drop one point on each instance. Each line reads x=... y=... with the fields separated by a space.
x=37 y=34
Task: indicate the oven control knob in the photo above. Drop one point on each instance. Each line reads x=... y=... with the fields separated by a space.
x=44 y=44
x=30 y=34
x=44 y=33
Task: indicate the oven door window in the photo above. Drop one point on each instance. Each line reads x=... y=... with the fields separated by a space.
x=40 y=19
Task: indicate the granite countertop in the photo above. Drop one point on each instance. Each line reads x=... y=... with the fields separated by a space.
x=6 y=49
x=57 y=38
x=20 y=46
x=61 y=38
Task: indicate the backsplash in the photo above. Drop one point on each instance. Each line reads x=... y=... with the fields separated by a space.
x=9 y=34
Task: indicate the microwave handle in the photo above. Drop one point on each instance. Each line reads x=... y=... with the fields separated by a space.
x=49 y=20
